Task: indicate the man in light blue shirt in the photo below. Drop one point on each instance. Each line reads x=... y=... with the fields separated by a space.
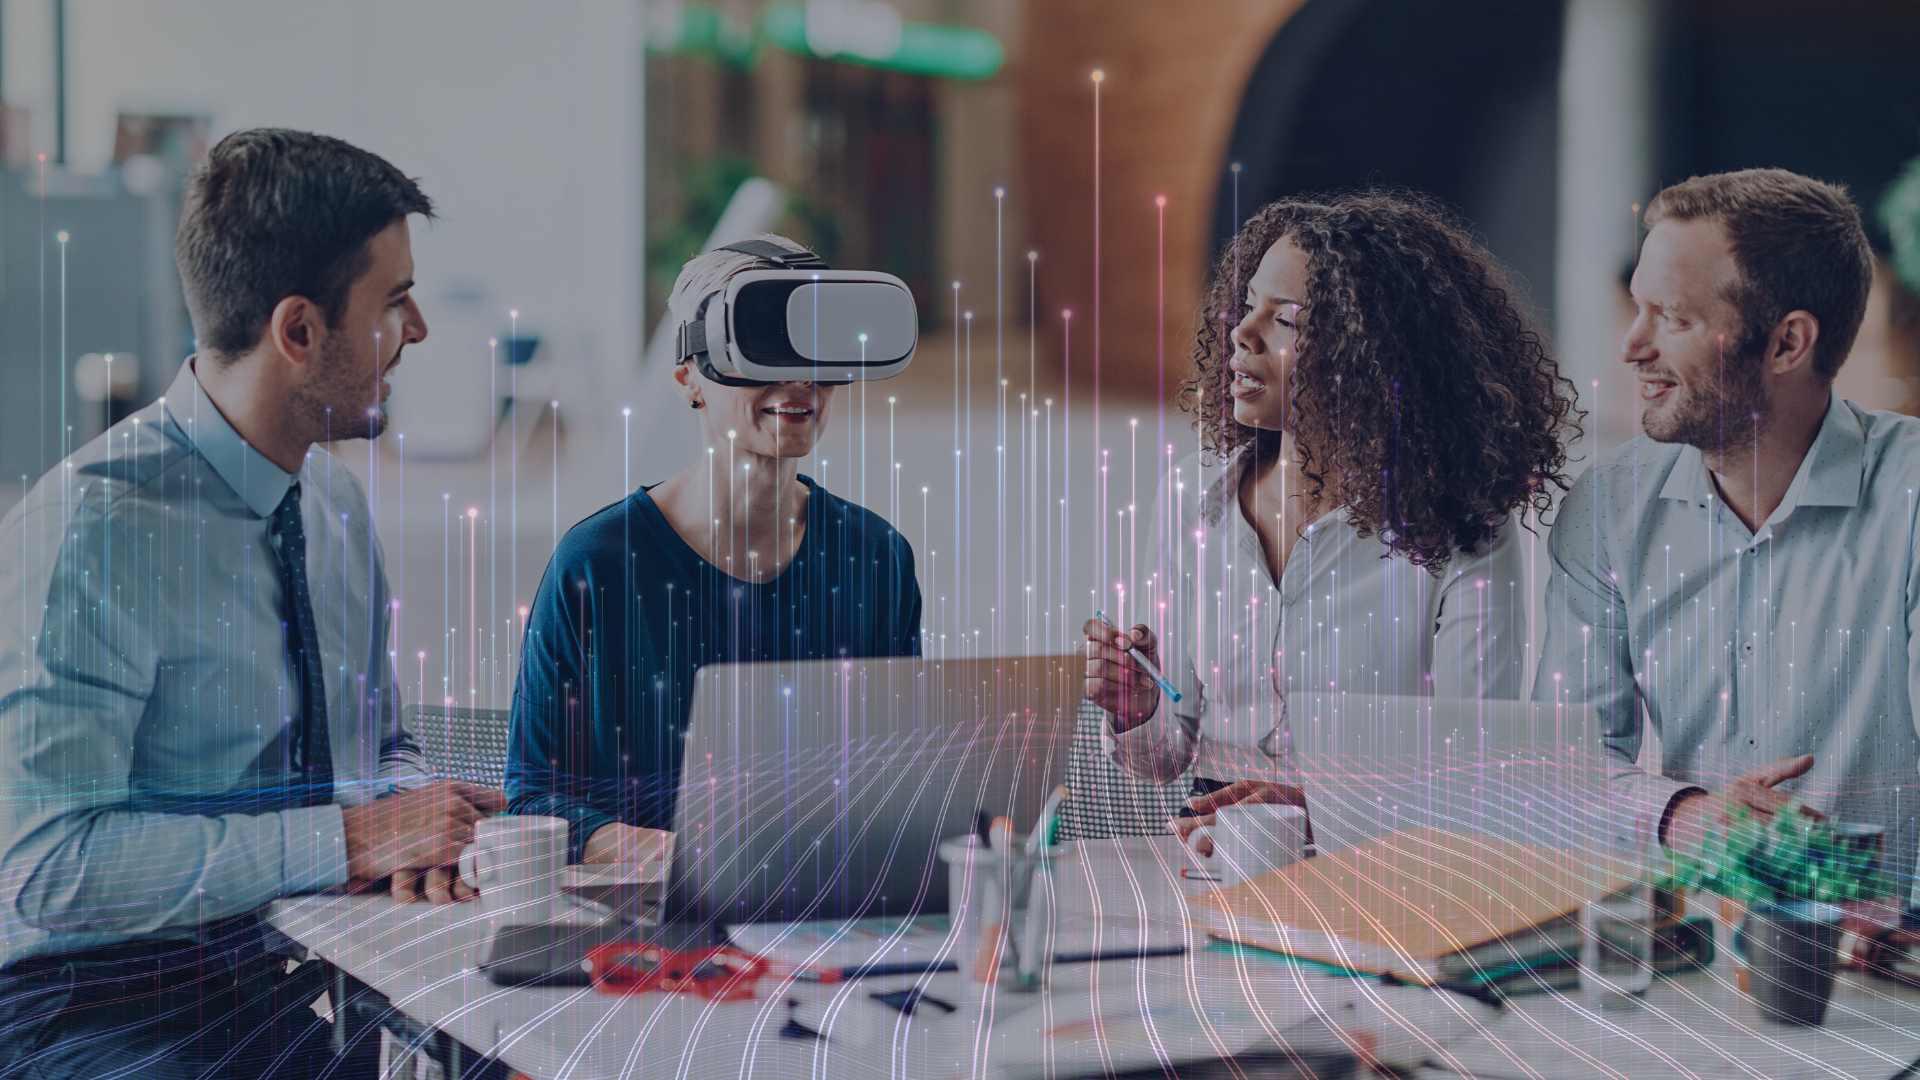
x=198 y=712
x=1742 y=578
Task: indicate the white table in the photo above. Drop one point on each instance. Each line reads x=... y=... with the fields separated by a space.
x=1701 y=1025
x=423 y=959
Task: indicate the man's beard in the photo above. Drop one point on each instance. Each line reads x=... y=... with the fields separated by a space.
x=1728 y=410
x=333 y=406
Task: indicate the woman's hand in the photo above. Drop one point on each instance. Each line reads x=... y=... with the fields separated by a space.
x=1114 y=681
x=1240 y=791
x=627 y=844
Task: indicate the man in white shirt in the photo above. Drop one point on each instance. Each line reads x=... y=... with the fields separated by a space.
x=1742 y=577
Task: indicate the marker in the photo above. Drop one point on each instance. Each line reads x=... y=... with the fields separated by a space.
x=1027 y=945
x=1043 y=829
x=1140 y=658
x=994 y=941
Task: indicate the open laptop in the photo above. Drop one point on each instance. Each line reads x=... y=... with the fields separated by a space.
x=822 y=789
x=1372 y=764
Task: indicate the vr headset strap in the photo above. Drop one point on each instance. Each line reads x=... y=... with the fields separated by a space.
x=781 y=258
x=693 y=340
x=692 y=344
x=704 y=363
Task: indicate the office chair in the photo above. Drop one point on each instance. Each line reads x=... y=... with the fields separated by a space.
x=462 y=744
x=1106 y=800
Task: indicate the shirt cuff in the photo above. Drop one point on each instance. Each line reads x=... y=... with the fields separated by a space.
x=1665 y=816
x=392 y=779
x=313 y=849
x=1645 y=801
x=403 y=775
x=582 y=823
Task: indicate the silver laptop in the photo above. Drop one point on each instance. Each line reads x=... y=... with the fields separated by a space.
x=1373 y=764
x=822 y=789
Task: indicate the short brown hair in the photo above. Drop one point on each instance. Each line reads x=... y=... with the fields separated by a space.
x=1799 y=246
x=275 y=213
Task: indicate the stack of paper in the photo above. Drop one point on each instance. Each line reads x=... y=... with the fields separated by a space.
x=1426 y=905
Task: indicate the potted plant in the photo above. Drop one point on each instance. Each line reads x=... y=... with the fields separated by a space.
x=1792 y=873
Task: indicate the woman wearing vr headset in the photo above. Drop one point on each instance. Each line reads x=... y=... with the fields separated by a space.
x=1373 y=408
x=736 y=557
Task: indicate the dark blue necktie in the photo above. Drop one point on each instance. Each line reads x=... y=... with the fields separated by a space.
x=310 y=754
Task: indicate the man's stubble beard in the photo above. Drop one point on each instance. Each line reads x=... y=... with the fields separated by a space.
x=330 y=406
x=1730 y=410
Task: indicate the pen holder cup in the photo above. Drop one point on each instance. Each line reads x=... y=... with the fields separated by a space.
x=993 y=899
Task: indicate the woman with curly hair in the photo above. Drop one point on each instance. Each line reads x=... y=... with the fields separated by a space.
x=1373 y=408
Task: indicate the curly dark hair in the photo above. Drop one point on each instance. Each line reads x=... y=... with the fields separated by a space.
x=1423 y=400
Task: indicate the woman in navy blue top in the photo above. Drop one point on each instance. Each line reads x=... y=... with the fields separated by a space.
x=750 y=563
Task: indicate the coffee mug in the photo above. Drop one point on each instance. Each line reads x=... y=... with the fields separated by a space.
x=1250 y=839
x=515 y=862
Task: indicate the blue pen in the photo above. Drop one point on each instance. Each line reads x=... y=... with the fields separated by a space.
x=1140 y=658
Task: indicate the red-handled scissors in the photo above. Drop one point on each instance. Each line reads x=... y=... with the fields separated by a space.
x=716 y=974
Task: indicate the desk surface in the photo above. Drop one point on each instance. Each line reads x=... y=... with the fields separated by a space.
x=423 y=960
x=1701 y=1025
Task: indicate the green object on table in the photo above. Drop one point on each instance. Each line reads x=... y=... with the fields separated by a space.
x=1236 y=949
x=1793 y=857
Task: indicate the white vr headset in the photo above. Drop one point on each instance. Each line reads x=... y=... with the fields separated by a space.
x=802 y=322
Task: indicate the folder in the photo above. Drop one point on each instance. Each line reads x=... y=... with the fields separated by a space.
x=1421 y=904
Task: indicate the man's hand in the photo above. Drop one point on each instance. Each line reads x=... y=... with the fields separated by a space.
x=1114 y=681
x=439 y=885
x=436 y=885
x=1240 y=791
x=1699 y=811
x=628 y=844
x=416 y=830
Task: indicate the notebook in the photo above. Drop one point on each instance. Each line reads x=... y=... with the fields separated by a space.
x=1406 y=904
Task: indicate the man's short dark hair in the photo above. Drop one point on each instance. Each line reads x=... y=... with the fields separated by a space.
x=1799 y=246
x=276 y=213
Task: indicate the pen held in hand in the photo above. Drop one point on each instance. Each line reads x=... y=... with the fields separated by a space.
x=1146 y=665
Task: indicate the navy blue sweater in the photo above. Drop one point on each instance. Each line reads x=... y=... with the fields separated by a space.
x=627 y=612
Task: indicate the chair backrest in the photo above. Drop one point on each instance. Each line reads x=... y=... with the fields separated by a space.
x=462 y=744
x=1107 y=800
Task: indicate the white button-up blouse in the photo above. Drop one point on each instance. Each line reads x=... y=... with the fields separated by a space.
x=1347 y=614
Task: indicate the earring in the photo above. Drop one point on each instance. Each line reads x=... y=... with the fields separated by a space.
x=696 y=405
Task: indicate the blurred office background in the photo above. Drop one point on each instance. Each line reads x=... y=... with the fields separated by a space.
x=579 y=150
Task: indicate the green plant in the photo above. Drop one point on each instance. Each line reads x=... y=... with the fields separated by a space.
x=1793 y=857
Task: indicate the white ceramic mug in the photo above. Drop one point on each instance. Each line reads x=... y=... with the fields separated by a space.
x=516 y=861
x=1250 y=839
